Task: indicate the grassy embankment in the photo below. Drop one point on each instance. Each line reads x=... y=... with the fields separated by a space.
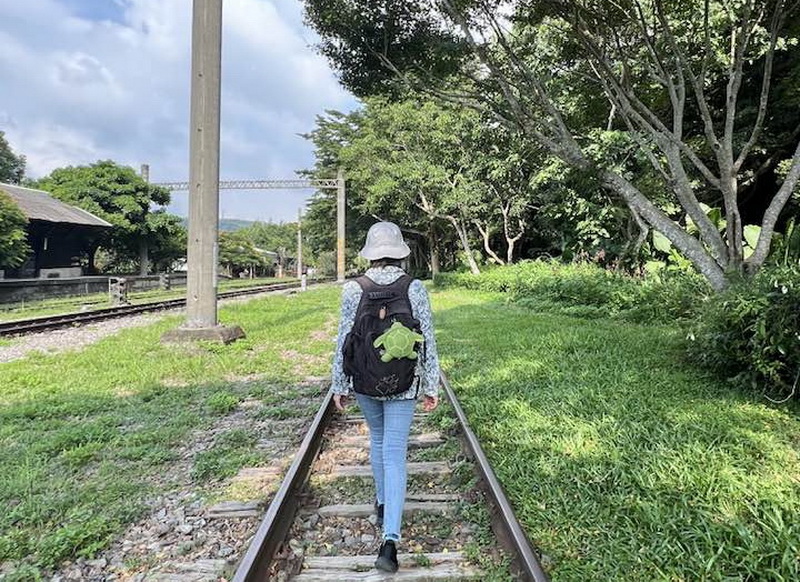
x=622 y=462
x=60 y=305
x=87 y=436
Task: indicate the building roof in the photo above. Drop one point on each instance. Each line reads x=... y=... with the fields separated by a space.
x=39 y=205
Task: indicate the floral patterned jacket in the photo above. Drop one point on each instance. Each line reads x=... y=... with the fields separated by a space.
x=428 y=364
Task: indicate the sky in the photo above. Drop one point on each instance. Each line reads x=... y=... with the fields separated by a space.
x=89 y=80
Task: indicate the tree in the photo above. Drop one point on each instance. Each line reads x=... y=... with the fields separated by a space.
x=414 y=162
x=167 y=240
x=504 y=163
x=120 y=196
x=434 y=170
x=14 y=248
x=237 y=253
x=12 y=166
x=334 y=130
x=276 y=237
x=669 y=77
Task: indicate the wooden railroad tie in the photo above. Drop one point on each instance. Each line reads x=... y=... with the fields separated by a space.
x=413 y=568
x=420 y=468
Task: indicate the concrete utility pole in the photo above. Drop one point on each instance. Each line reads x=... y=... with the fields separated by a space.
x=202 y=251
x=340 y=213
x=299 y=243
x=144 y=251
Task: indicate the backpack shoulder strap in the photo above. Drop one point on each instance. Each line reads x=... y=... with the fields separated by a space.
x=366 y=285
x=401 y=286
x=404 y=282
x=364 y=282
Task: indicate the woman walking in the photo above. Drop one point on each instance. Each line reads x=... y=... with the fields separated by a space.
x=386 y=354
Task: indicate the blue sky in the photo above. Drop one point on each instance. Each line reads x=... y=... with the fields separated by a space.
x=85 y=80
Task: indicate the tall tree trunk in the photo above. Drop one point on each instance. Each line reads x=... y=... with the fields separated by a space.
x=433 y=244
x=486 y=234
x=511 y=244
x=689 y=246
x=462 y=235
x=144 y=257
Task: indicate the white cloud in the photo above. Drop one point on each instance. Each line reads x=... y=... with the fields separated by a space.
x=76 y=89
x=53 y=146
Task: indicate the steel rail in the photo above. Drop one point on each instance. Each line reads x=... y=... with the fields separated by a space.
x=255 y=565
x=522 y=551
x=23 y=326
x=280 y=514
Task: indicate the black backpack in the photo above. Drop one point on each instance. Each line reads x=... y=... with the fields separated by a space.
x=379 y=308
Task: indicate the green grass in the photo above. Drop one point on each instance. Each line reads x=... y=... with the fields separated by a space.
x=62 y=305
x=87 y=436
x=622 y=462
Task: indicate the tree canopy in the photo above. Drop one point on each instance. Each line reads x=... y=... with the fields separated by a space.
x=12 y=166
x=14 y=247
x=691 y=99
x=120 y=196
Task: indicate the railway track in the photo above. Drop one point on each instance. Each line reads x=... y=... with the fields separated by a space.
x=23 y=326
x=320 y=525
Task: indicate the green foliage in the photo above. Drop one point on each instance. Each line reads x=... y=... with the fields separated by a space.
x=369 y=26
x=231 y=451
x=237 y=253
x=604 y=87
x=81 y=453
x=621 y=462
x=786 y=245
x=12 y=166
x=332 y=133
x=588 y=290
x=25 y=573
x=222 y=402
x=120 y=196
x=751 y=332
x=167 y=240
x=14 y=248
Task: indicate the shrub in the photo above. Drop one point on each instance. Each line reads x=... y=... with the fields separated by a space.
x=673 y=297
x=588 y=290
x=751 y=332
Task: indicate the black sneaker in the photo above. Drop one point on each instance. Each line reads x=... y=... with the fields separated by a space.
x=387 y=557
x=379 y=513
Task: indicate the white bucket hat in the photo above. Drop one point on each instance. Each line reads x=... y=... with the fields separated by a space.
x=384 y=241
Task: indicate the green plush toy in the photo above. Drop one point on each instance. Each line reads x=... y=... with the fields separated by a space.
x=398 y=342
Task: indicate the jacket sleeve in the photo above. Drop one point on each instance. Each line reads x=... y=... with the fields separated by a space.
x=421 y=306
x=351 y=296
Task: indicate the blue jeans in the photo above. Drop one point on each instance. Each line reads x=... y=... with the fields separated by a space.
x=389 y=423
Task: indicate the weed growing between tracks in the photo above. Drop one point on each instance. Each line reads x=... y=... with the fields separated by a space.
x=622 y=462
x=87 y=437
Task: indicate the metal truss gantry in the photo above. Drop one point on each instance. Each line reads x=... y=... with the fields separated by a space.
x=259 y=184
x=323 y=183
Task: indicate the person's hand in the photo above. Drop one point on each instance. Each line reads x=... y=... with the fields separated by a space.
x=340 y=401
x=429 y=403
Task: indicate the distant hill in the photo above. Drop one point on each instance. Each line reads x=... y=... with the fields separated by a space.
x=227 y=224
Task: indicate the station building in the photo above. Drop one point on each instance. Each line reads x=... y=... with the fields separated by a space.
x=59 y=234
